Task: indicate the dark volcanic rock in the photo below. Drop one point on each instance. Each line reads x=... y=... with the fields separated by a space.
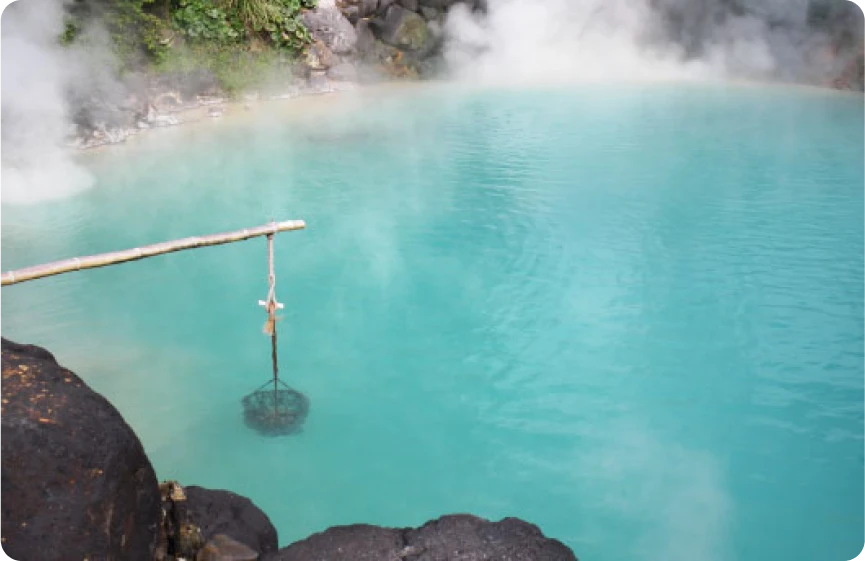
x=223 y=512
x=457 y=537
x=359 y=542
x=75 y=481
x=479 y=540
x=223 y=548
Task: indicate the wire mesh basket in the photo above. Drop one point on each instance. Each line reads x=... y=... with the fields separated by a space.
x=275 y=409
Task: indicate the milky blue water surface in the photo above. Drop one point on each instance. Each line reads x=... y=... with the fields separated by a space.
x=633 y=316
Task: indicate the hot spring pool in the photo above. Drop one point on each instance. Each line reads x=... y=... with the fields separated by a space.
x=633 y=316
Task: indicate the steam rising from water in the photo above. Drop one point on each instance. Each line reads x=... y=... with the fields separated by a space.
x=680 y=494
x=35 y=115
x=543 y=41
x=517 y=42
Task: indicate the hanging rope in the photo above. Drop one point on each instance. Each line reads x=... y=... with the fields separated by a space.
x=270 y=306
x=274 y=411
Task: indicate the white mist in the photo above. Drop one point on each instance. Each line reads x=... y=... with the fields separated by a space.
x=36 y=166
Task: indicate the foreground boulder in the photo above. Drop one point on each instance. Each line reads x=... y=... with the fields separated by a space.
x=223 y=548
x=223 y=512
x=459 y=537
x=212 y=524
x=76 y=483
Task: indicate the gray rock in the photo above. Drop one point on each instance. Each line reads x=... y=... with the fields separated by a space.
x=429 y=13
x=319 y=57
x=405 y=30
x=223 y=548
x=381 y=53
x=445 y=5
x=365 y=38
x=430 y=67
x=367 y=7
x=351 y=13
x=329 y=26
x=457 y=537
x=441 y=5
x=410 y=5
x=343 y=72
x=318 y=82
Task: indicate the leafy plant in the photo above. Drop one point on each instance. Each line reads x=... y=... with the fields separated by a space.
x=228 y=21
x=242 y=42
x=136 y=32
x=279 y=20
x=201 y=20
x=70 y=32
x=254 y=14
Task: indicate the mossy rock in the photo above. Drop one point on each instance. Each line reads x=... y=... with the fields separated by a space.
x=406 y=30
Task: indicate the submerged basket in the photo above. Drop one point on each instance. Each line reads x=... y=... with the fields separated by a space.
x=275 y=411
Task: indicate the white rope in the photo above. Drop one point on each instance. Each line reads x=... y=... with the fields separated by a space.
x=270 y=305
x=78 y=263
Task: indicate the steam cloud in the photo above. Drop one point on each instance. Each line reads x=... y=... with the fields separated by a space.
x=584 y=40
x=515 y=42
x=36 y=75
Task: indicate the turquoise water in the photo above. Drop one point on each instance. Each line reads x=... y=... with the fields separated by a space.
x=633 y=316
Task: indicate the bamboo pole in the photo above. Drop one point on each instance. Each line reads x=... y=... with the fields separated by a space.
x=113 y=258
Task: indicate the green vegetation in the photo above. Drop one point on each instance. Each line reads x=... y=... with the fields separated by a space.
x=235 y=67
x=237 y=40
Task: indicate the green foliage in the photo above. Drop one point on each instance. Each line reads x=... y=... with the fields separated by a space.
x=137 y=33
x=235 y=67
x=202 y=21
x=70 y=32
x=231 y=21
x=286 y=29
x=254 y=13
x=239 y=41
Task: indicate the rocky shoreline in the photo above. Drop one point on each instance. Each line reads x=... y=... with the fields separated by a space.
x=77 y=484
x=354 y=42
